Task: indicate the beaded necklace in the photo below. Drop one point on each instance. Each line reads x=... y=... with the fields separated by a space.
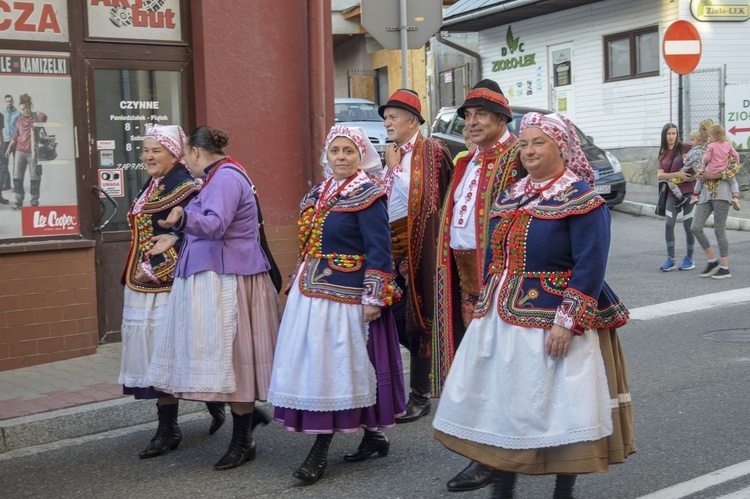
x=530 y=190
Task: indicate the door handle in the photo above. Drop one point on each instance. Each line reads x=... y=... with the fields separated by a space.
x=95 y=188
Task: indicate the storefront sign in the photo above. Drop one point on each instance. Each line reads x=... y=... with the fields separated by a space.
x=49 y=220
x=519 y=60
x=157 y=20
x=737 y=115
x=726 y=10
x=43 y=21
x=43 y=79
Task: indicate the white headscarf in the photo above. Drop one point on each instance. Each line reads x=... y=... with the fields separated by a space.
x=369 y=157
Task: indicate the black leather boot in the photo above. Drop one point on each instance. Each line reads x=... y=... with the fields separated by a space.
x=419 y=398
x=219 y=415
x=168 y=435
x=259 y=417
x=241 y=447
x=372 y=442
x=20 y=194
x=317 y=460
x=564 y=485
x=503 y=484
x=473 y=477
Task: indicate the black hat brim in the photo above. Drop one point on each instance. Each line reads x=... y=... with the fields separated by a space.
x=381 y=110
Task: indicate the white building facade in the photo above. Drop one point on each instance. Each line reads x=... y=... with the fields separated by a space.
x=602 y=65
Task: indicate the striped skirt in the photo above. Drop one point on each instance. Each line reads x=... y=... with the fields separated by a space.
x=219 y=338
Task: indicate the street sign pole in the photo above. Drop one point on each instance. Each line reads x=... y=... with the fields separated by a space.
x=404 y=27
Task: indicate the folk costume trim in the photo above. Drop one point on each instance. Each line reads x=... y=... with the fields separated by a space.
x=423 y=204
x=355 y=194
x=500 y=168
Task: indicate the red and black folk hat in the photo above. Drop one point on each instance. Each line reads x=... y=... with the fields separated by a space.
x=487 y=94
x=405 y=99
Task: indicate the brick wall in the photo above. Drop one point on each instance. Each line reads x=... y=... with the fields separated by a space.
x=284 y=244
x=48 y=307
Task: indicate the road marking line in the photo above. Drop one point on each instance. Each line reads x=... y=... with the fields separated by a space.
x=690 y=487
x=694 y=304
x=740 y=494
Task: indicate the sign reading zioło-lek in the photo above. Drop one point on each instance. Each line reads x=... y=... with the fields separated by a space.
x=737 y=115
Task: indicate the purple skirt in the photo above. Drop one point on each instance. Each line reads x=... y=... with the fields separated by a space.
x=385 y=355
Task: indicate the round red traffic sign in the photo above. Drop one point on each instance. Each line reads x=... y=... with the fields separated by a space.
x=682 y=47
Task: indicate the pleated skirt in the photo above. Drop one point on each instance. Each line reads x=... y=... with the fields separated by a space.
x=250 y=305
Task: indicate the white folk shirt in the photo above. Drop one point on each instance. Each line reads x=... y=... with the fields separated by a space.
x=463 y=229
x=398 y=202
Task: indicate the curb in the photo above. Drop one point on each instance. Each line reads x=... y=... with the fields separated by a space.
x=80 y=421
x=647 y=210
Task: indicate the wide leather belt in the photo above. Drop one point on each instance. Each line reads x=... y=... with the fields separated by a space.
x=466 y=262
x=399 y=238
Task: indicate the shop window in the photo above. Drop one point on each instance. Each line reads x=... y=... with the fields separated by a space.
x=634 y=54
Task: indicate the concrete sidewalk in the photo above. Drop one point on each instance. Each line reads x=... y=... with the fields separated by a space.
x=78 y=397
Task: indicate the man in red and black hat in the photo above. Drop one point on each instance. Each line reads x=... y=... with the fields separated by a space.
x=416 y=180
x=477 y=181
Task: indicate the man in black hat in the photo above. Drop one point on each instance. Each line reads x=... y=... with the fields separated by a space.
x=477 y=181
x=416 y=180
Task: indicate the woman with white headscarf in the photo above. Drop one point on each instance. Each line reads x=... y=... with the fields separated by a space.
x=148 y=279
x=538 y=385
x=337 y=365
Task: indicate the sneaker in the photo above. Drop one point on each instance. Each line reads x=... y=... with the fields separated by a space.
x=687 y=264
x=16 y=206
x=736 y=203
x=721 y=274
x=694 y=199
x=711 y=269
x=681 y=202
x=668 y=265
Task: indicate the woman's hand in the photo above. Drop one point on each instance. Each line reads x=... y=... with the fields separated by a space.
x=684 y=176
x=371 y=313
x=141 y=275
x=174 y=216
x=162 y=243
x=707 y=175
x=392 y=156
x=558 y=342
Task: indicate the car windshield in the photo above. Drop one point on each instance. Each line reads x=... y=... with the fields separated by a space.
x=356 y=111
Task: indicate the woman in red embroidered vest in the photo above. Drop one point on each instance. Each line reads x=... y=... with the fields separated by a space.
x=538 y=384
x=148 y=280
x=338 y=364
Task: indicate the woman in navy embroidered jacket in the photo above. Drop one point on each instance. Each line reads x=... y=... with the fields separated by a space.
x=539 y=384
x=338 y=365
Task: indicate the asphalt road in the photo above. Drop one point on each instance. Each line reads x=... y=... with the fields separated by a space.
x=690 y=396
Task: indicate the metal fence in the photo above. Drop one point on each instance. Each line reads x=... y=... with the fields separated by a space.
x=703 y=98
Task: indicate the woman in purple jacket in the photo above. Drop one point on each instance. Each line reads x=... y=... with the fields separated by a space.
x=223 y=315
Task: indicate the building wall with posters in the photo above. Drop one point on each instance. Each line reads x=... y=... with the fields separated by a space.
x=98 y=73
x=625 y=113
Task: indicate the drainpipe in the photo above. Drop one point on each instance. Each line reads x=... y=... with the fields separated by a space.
x=488 y=12
x=464 y=50
x=320 y=50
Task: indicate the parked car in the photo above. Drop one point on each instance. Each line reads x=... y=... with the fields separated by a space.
x=610 y=183
x=364 y=114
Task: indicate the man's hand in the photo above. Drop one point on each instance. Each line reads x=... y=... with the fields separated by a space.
x=392 y=155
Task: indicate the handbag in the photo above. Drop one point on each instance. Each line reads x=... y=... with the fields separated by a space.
x=661 y=203
x=274 y=273
x=46 y=146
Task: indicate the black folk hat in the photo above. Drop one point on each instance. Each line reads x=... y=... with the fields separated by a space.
x=487 y=94
x=405 y=99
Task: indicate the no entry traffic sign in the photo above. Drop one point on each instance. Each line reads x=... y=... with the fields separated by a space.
x=682 y=47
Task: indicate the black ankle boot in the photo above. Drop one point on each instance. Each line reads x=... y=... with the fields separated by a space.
x=503 y=484
x=259 y=417
x=168 y=435
x=241 y=447
x=372 y=442
x=317 y=460
x=473 y=477
x=219 y=415
x=564 y=485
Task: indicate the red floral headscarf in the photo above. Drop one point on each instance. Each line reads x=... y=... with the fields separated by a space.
x=170 y=136
x=563 y=132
